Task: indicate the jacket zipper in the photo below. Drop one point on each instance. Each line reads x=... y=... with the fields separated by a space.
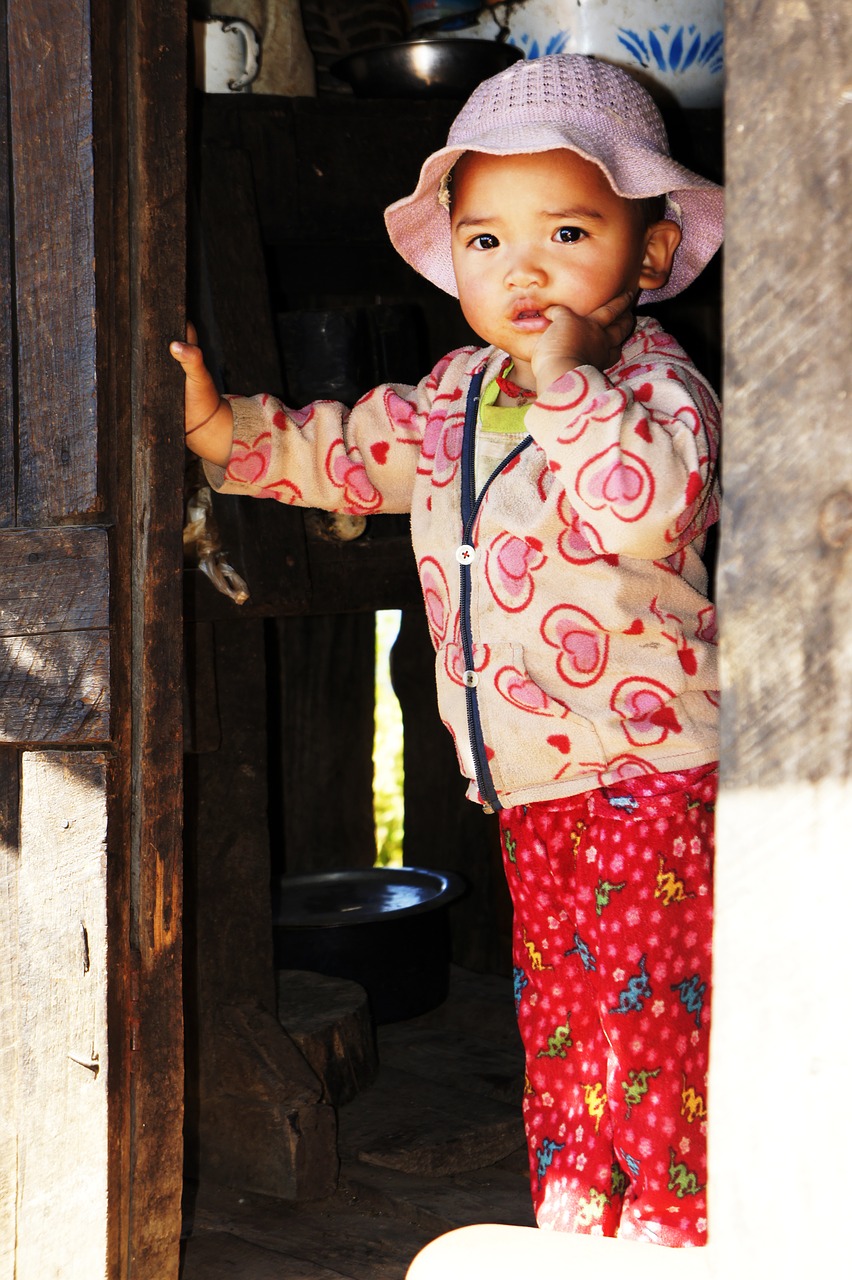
x=470 y=504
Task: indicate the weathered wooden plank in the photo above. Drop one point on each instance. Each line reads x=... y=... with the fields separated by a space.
x=156 y=54
x=60 y=1030
x=783 y=872
x=787 y=615
x=52 y=159
x=114 y=347
x=53 y=580
x=7 y=439
x=9 y=861
x=55 y=688
x=54 y=642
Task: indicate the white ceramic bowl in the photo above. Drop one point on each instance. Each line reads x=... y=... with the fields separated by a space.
x=675 y=46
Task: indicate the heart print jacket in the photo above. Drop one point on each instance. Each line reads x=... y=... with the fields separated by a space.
x=567 y=598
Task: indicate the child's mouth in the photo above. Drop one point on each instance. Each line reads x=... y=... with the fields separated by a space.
x=529 y=318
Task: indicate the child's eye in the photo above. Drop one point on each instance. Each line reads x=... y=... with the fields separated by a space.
x=569 y=235
x=484 y=241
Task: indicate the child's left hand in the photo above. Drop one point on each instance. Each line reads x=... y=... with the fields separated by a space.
x=571 y=340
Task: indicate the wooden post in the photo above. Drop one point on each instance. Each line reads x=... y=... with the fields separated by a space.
x=157 y=179
x=784 y=875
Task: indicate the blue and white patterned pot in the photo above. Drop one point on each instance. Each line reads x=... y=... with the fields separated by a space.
x=675 y=46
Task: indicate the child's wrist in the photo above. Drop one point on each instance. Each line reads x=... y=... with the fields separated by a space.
x=188 y=431
x=213 y=437
x=554 y=370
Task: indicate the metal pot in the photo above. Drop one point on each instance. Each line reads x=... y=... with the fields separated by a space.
x=428 y=68
x=386 y=928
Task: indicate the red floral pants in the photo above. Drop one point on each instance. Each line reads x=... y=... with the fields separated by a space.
x=613 y=902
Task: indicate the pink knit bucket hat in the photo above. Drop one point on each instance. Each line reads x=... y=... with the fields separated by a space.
x=572 y=101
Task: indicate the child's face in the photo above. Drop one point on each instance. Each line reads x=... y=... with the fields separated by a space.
x=533 y=231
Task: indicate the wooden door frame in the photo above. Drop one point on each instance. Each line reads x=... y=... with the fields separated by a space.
x=91 y=468
x=140 y=90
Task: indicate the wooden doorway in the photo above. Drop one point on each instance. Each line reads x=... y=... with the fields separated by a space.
x=92 y=252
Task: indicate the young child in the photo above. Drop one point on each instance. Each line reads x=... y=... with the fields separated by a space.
x=561 y=480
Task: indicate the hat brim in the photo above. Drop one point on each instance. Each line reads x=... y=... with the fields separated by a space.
x=419 y=226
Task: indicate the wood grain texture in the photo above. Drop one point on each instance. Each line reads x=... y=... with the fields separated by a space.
x=59 y=956
x=54 y=642
x=152 y=504
x=53 y=580
x=55 y=688
x=783 y=877
x=7 y=402
x=378 y=1217
x=9 y=1081
x=785 y=600
x=52 y=166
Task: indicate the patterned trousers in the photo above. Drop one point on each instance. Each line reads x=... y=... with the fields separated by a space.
x=612 y=893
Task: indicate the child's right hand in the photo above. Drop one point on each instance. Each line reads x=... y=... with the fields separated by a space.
x=571 y=339
x=208 y=419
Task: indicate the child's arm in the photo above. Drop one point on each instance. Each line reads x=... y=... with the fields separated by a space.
x=208 y=419
x=635 y=448
x=360 y=461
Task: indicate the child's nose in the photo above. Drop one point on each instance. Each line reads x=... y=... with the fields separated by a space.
x=525 y=270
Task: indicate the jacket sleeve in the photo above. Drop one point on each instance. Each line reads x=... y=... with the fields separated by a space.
x=358 y=461
x=634 y=449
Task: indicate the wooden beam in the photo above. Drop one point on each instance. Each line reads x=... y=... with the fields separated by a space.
x=51 y=117
x=7 y=381
x=157 y=181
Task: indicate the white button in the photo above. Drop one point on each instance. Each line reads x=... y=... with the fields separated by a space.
x=471 y=679
x=466 y=554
